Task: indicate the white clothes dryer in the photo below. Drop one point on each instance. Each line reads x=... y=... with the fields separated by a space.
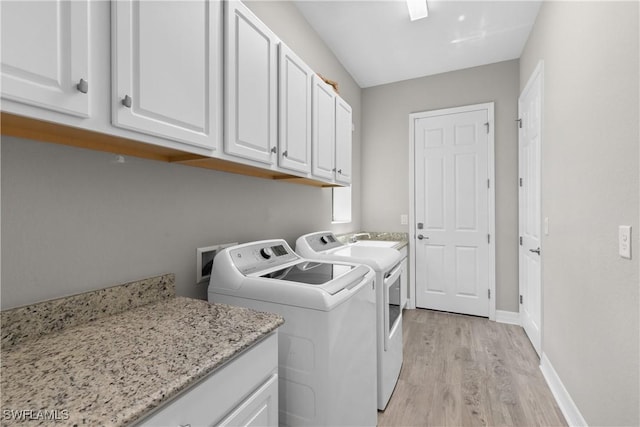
x=388 y=267
x=326 y=373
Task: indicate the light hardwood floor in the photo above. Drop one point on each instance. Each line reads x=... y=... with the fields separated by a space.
x=468 y=371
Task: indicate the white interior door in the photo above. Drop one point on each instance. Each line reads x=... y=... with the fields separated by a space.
x=453 y=220
x=530 y=109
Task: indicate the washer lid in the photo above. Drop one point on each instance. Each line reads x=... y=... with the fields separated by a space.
x=325 y=276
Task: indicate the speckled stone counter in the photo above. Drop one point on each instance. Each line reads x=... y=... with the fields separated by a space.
x=115 y=369
x=401 y=238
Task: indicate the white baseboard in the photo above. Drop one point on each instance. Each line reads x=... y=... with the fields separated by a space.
x=510 y=317
x=565 y=402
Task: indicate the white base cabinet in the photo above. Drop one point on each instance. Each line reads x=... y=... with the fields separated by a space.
x=244 y=392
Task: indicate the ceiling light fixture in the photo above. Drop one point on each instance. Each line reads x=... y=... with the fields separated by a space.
x=417 y=9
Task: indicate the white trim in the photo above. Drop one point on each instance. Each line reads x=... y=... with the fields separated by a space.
x=490 y=107
x=508 y=317
x=568 y=407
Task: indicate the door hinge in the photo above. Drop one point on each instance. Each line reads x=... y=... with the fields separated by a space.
x=520 y=299
x=489 y=293
x=488 y=183
x=520 y=240
x=487 y=125
x=520 y=181
x=488 y=238
x=519 y=123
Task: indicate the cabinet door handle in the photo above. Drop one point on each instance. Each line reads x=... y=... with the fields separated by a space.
x=126 y=101
x=83 y=86
x=274 y=149
x=340 y=171
x=285 y=153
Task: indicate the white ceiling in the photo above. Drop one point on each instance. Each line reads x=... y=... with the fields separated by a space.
x=378 y=44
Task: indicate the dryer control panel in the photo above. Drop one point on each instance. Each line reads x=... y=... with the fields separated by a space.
x=323 y=241
x=259 y=256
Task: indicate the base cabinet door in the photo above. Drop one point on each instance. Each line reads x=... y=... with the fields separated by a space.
x=258 y=410
x=343 y=141
x=294 y=110
x=251 y=80
x=167 y=69
x=243 y=392
x=45 y=54
x=323 y=130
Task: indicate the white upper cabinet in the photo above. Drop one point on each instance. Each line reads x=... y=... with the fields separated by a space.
x=167 y=69
x=323 y=129
x=251 y=78
x=343 y=141
x=294 y=112
x=45 y=54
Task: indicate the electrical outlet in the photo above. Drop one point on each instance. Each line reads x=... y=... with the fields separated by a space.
x=204 y=260
x=624 y=241
x=404 y=219
x=546 y=226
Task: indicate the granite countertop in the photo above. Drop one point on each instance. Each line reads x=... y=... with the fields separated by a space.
x=115 y=369
x=401 y=238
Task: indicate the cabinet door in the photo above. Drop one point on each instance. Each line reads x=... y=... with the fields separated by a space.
x=343 y=141
x=45 y=54
x=250 y=85
x=294 y=112
x=323 y=125
x=258 y=410
x=167 y=68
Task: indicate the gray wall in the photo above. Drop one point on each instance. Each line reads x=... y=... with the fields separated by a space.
x=590 y=185
x=74 y=220
x=385 y=153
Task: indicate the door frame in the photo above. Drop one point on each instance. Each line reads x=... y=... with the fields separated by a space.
x=538 y=72
x=491 y=197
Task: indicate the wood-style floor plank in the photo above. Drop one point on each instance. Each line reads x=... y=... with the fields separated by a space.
x=468 y=371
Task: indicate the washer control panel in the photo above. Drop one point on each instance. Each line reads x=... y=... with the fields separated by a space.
x=260 y=256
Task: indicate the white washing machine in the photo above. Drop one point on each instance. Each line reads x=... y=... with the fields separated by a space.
x=327 y=375
x=387 y=264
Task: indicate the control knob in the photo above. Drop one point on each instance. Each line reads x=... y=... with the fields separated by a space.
x=324 y=239
x=266 y=253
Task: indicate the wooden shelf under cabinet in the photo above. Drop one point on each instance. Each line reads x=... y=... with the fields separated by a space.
x=24 y=127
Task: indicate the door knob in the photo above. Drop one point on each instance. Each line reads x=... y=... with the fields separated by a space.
x=420 y=237
x=535 y=251
x=126 y=101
